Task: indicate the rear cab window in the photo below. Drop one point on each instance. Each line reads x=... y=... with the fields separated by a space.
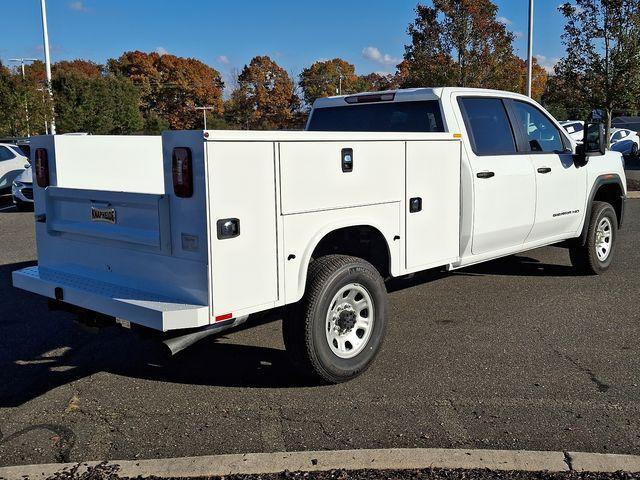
x=488 y=126
x=420 y=116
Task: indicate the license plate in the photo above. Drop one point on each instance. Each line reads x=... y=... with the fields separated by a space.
x=107 y=215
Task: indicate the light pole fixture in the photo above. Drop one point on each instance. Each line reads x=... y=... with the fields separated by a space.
x=22 y=61
x=47 y=60
x=530 y=51
x=204 y=114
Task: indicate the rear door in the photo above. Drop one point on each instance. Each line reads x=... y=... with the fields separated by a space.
x=504 y=189
x=560 y=185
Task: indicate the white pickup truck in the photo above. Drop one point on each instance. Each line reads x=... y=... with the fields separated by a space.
x=192 y=233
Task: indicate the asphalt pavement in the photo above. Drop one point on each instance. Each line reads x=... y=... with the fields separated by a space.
x=519 y=353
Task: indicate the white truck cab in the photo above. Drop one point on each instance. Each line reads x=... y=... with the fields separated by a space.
x=227 y=224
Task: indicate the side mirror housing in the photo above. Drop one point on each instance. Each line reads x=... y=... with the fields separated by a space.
x=595 y=139
x=594 y=143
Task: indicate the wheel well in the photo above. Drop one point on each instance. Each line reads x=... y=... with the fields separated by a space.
x=612 y=194
x=362 y=241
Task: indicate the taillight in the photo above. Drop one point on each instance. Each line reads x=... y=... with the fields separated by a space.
x=42 y=167
x=182 y=169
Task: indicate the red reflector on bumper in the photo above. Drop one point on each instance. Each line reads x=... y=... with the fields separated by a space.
x=222 y=318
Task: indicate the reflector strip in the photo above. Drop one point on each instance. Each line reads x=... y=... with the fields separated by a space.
x=226 y=316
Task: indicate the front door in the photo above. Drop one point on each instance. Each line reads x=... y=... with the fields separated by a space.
x=504 y=190
x=561 y=186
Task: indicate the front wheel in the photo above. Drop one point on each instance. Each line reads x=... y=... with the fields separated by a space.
x=595 y=256
x=337 y=329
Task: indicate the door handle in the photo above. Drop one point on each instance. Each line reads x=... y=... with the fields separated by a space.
x=544 y=170
x=415 y=205
x=486 y=175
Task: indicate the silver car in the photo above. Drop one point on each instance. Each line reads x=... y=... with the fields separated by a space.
x=22 y=190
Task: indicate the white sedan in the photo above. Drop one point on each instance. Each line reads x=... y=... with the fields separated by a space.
x=12 y=163
x=22 y=190
x=625 y=141
x=575 y=129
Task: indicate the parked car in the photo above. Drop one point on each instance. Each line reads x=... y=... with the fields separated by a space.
x=625 y=141
x=12 y=163
x=575 y=129
x=190 y=234
x=22 y=190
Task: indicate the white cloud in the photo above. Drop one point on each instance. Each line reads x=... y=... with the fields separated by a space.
x=223 y=59
x=161 y=51
x=78 y=6
x=375 y=55
x=504 y=20
x=547 y=63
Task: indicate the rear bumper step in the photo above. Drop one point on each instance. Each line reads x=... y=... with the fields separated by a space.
x=142 y=308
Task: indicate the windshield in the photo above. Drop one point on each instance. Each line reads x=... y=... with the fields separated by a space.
x=422 y=116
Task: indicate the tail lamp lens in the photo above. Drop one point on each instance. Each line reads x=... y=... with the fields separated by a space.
x=42 y=167
x=182 y=169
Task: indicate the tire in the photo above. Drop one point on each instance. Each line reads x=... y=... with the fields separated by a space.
x=634 y=151
x=591 y=258
x=342 y=294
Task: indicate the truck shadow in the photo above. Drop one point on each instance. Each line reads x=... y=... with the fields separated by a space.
x=41 y=350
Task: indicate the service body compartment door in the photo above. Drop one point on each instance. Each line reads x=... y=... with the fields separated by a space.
x=432 y=204
x=242 y=190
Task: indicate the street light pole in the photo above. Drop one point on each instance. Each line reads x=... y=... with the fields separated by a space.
x=47 y=60
x=530 y=50
x=204 y=114
x=26 y=104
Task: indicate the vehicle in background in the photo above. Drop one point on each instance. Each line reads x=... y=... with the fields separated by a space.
x=12 y=163
x=625 y=141
x=575 y=129
x=22 y=190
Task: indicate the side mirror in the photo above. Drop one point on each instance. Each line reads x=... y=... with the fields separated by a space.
x=595 y=139
x=594 y=143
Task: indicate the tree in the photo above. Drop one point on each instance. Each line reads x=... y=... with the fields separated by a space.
x=323 y=79
x=265 y=97
x=376 y=82
x=459 y=43
x=107 y=105
x=84 y=68
x=171 y=87
x=539 y=78
x=601 y=67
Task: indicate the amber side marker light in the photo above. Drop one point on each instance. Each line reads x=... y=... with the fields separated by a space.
x=457 y=135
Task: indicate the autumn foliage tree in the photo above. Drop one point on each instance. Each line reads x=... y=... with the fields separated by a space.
x=324 y=79
x=459 y=43
x=601 y=67
x=171 y=87
x=265 y=97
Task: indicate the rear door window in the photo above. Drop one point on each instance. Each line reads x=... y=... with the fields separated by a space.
x=421 y=116
x=6 y=154
x=488 y=126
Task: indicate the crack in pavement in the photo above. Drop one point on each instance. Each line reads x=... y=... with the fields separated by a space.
x=602 y=386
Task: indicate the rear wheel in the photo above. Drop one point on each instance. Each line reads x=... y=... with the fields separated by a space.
x=334 y=333
x=595 y=256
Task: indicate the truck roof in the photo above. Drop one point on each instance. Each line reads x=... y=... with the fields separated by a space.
x=412 y=95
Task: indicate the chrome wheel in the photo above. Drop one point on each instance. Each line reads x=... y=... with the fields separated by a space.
x=604 y=238
x=350 y=321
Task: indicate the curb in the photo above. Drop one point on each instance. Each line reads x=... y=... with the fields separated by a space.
x=633 y=195
x=390 y=459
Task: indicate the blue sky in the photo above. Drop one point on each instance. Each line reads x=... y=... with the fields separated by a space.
x=226 y=34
